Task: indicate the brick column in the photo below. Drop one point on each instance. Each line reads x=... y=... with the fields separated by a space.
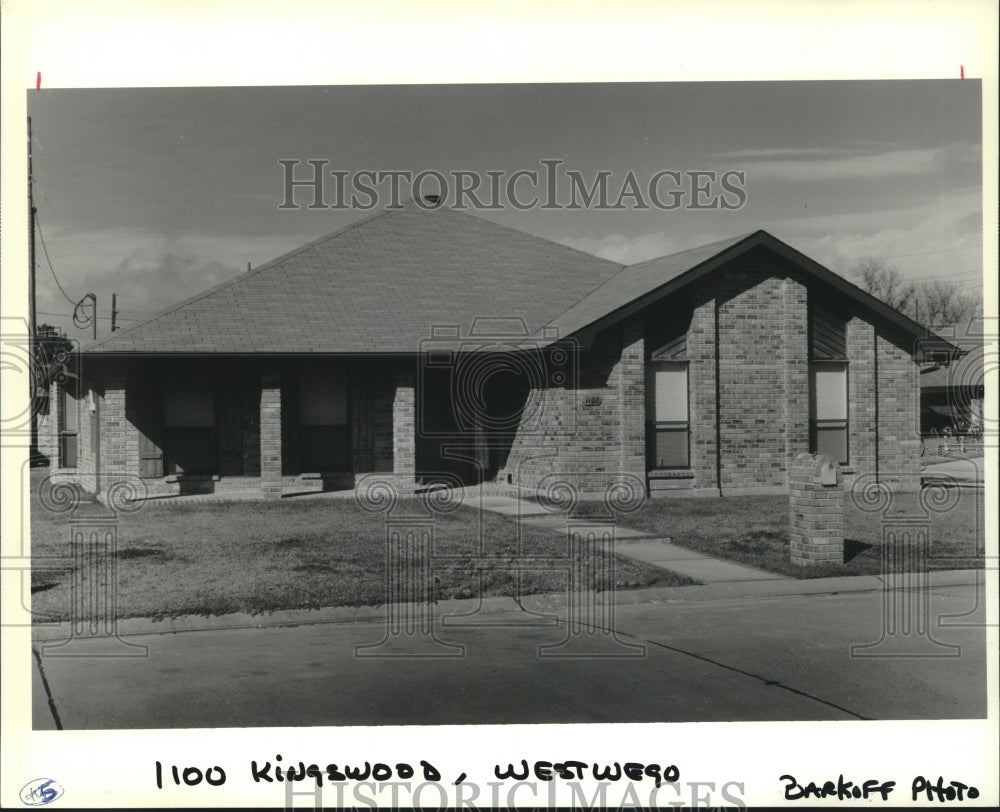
x=795 y=360
x=861 y=400
x=816 y=503
x=404 y=445
x=114 y=431
x=632 y=400
x=898 y=416
x=702 y=380
x=270 y=433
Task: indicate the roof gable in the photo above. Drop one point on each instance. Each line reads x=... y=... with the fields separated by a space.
x=636 y=286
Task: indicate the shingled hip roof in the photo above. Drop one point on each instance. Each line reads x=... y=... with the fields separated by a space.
x=388 y=283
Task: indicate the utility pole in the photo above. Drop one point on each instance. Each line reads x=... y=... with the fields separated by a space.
x=114 y=310
x=34 y=378
x=31 y=247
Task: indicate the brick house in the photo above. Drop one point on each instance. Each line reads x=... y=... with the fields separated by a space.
x=423 y=343
x=952 y=384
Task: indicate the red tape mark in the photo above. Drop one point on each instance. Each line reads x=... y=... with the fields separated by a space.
x=963 y=71
x=38 y=80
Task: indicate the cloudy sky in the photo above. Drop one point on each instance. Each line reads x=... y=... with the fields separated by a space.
x=158 y=194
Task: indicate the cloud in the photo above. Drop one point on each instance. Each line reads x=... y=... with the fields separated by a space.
x=781 y=152
x=148 y=270
x=935 y=239
x=629 y=250
x=851 y=166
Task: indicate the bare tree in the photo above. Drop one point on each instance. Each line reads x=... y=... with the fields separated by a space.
x=941 y=302
x=885 y=282
x=934 y=302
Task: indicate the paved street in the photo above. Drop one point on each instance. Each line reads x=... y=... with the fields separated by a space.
x=764 y=655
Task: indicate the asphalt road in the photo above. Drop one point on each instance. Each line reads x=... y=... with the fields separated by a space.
x=775 y=658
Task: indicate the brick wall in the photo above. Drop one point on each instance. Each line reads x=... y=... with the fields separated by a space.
x=762 y=319
x=884 y=400
x=748 y=396
x=593 y=432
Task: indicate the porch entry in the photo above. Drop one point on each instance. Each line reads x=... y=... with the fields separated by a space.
x=202 y=424
x=467 y=416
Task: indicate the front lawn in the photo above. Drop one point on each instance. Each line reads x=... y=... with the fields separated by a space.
x=753 y=530
x=214 y=558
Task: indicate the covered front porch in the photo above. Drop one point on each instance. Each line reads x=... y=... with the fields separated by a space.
x=275 y=427
x=236 y=424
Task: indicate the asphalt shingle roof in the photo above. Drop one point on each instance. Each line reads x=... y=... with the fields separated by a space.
x=635 y=281
x=376 y=286
x=380 y=285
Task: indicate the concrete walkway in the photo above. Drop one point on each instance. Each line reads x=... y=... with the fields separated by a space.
x=963 y=473
x=637 y=545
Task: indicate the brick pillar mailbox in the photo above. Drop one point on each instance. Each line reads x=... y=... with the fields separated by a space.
x=817 y=510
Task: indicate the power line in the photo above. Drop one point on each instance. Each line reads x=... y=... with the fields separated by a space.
x=70 y=315
x=45 y=250
x=933 y=251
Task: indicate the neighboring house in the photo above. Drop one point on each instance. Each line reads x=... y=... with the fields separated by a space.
x=951 y=389
x=429 y=344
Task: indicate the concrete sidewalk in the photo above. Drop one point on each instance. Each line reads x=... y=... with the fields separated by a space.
x=778 y=658
x=743 y=645
x=962 y=473
x=635 y=544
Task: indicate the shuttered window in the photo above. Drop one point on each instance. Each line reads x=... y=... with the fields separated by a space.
x=668 y=427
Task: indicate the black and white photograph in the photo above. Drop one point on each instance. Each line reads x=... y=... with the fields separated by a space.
x=568 y=426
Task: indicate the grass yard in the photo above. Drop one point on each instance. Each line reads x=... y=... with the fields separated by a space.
x=753 y=530
x=208 y=559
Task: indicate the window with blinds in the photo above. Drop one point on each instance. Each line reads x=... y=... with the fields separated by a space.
x=668 y=426
x=828 y=407
x=69 y=425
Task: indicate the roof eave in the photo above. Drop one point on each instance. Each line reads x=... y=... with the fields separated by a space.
x=763 y=238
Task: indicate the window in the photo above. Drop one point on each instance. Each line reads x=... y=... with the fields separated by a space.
x=323 y=438
x=69 y=425
x=828 y=424
x=828 y=409
x=189 y=427
x=668 y=429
